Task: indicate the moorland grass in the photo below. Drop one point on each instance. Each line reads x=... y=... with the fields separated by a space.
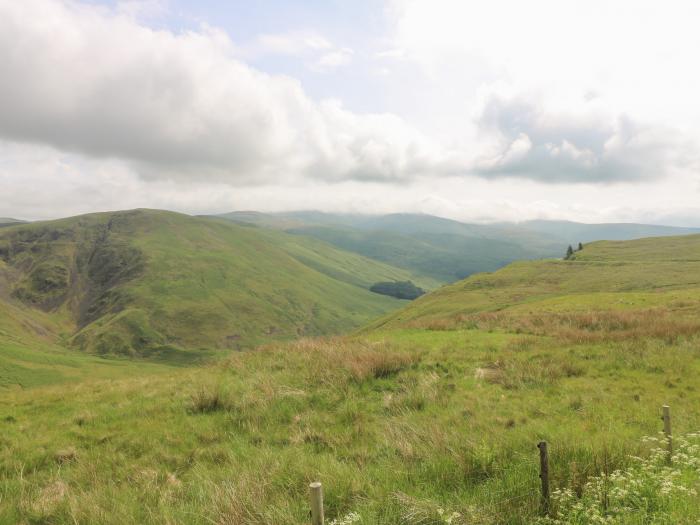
x=397 y=425
x=435 y=411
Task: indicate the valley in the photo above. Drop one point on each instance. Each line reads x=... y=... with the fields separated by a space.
x=426 y=405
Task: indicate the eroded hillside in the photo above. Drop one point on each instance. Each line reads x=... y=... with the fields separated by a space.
x=165 y=285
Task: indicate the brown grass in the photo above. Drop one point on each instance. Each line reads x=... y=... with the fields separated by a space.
x=337 y=360
x=208 y=399
x=592 y=326
x=513 y=373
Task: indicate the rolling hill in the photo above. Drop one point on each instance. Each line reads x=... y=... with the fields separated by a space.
x=171 y=287
x=436 y=409
x=618 y=275
x=6 y=221
x=442 y=249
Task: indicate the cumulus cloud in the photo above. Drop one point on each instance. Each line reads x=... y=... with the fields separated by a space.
x=100 y=111
x=611 y=104
x=529 y=141
x=98 y=82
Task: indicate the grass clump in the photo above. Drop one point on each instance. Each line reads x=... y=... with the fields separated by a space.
x=208 y=399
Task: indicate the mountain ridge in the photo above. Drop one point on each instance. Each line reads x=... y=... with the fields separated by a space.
x=150 y=283
x=442 y=248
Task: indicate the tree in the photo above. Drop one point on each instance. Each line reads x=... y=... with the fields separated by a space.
x=398 y=289
x=569 y=252
x=580 y=246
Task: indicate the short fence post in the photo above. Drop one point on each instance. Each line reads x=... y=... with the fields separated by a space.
x=316 y=493
x=667 y=429
x=544 y=476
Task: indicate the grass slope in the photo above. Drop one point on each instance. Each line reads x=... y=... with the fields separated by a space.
x=171 y=287
x=444 y=249
x=30 y=355
x=439 y=249
x=438 y=407
x=619 y=275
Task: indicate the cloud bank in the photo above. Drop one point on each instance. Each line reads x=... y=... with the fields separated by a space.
x=533 y=143
x=479 y=111
x=95 y=81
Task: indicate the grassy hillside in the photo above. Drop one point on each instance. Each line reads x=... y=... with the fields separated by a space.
x=631 y=275
x=172 y=287
x=437 y=249
x=6 y=221
x=444 y=249
x=435 y=410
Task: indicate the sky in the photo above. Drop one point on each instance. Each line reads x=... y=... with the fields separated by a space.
x=477 y=111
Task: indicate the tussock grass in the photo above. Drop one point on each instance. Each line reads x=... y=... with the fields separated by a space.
x=513 y=373
x=585 y=327
x=436 y=414
x=397 y=426
x=339 y=361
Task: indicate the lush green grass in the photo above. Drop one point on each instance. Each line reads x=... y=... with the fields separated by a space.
x=172 y=287
x=432 y=419
x=439 y=408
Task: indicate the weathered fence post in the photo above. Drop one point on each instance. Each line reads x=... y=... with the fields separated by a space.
x=316 y=493
x=667 y=429
x=544 y=476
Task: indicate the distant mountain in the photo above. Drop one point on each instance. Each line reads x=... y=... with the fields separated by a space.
x=575 y=232
x=6 y=221
x=445 y=249
x=169 y=286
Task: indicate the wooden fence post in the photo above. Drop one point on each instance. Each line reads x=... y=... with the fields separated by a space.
x=667 y=429
x=316 y=493
x=544 y=476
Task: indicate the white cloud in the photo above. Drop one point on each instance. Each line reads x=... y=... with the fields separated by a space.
x=601 y=90
x=292 y=43
x=336 y=58
x=529 y=141
x=557 y=109
x=39 y=182
x=142 y=9
x=181 y=105
x=315 y=50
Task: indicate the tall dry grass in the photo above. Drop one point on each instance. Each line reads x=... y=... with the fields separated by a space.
x=336 y=360
x=593 y=326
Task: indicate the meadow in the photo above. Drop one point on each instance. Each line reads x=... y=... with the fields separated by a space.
x=429 y=416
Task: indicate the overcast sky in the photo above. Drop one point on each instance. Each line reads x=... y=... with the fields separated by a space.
x=479 y=111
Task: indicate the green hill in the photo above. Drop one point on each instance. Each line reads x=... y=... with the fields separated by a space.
x=442 y=249
x=173 y=287
x=617 y=275
x=5 y=221
x=438 y=249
